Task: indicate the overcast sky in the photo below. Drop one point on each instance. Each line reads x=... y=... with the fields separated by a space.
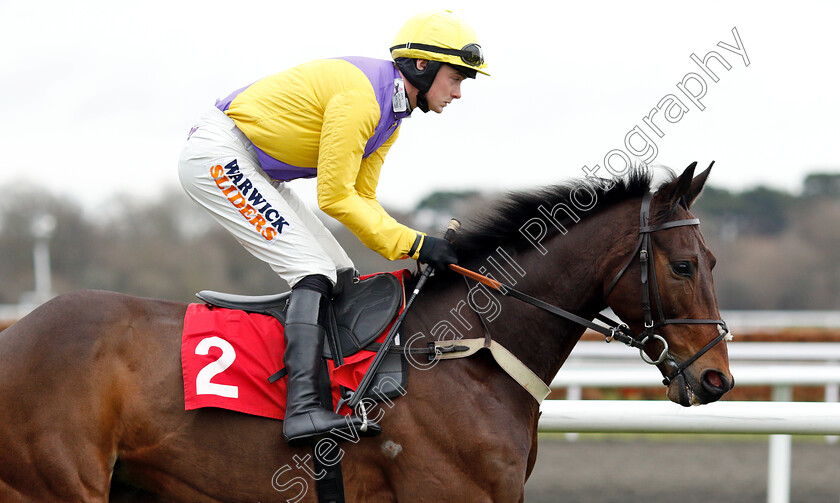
x=99 y=95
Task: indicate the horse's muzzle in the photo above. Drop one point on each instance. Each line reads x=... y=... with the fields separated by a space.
x=687 y=390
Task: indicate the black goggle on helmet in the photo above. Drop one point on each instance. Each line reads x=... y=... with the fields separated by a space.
x=471 y=55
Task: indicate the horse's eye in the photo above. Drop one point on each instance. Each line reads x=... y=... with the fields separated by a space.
x=683 y=268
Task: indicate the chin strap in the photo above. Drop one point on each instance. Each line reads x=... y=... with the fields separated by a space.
x=421 y=79
x=422 y=104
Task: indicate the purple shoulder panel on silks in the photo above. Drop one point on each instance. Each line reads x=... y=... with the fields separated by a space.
x=381 y=74
x=224 y=104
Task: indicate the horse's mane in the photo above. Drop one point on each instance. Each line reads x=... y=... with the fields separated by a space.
x=501 y=225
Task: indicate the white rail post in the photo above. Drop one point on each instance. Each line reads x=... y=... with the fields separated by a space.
x=42 y=228
x=573 y=393
x=832 y=394
x=778 y=464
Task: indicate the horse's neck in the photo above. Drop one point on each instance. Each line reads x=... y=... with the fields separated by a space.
x=569 y=275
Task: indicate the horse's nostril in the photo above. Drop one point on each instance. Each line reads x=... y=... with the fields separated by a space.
x=715 y=382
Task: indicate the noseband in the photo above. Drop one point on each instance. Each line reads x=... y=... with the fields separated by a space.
x=644 y=249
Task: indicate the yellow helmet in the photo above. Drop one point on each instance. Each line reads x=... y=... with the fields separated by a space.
x=440 y=36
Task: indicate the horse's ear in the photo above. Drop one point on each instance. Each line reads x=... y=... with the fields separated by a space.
x=697 y=186
x=672 y=192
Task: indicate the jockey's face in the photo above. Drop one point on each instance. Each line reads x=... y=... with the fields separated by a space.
x=445 y=88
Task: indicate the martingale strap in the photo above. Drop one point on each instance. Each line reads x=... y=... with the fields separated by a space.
x=462 y=348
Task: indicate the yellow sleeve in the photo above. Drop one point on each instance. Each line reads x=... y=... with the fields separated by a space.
x=346 y=183
x=366 y=184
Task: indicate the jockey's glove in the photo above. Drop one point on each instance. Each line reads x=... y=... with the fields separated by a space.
x=438 y=253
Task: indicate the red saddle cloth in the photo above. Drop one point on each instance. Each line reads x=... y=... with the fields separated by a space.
x=227 y=356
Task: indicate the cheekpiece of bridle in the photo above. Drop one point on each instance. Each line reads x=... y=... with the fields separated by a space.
x=622 y=333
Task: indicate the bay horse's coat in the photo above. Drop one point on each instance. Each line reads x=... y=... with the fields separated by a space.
x=91 y=397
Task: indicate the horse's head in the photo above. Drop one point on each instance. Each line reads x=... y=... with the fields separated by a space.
x=665 y=293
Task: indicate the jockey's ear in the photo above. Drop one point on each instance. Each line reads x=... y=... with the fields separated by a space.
x=697 y=185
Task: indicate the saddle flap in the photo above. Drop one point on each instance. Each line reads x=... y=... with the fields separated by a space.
x=390 y=379
x=364 y=310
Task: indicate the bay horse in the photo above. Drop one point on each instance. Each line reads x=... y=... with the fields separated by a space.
x=92 y=399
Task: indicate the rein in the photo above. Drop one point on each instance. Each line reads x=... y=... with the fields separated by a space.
x=620 y=331
x=614 y=331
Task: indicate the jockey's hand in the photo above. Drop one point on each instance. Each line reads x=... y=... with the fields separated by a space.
x=438 y=253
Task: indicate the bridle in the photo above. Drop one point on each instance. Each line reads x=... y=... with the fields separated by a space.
x=644 y=249
x=620 y=331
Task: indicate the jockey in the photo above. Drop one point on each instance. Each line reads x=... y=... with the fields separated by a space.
x=332 y=119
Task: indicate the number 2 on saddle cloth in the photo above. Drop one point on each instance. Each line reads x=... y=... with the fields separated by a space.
x=232 y=345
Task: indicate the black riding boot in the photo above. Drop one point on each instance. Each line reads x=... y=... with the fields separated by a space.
x=305 y=418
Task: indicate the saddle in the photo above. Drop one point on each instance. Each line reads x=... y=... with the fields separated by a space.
x=361 y=310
